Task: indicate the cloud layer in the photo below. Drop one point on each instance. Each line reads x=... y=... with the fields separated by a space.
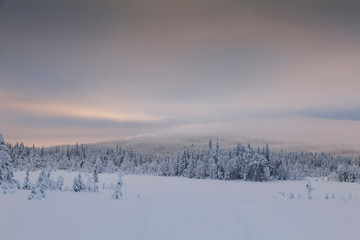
x=85 y=70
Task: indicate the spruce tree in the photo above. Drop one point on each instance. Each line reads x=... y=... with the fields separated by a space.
x=267 y=152
x=42 y=181
x=27 y=183
x=190 y=165
x=79 y=185
x=7 y=180
x=182 y=163
x=96 y=178
x=118 y=187
x=59 y=183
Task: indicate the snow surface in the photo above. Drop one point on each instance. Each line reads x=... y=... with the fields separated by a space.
x=180 y=208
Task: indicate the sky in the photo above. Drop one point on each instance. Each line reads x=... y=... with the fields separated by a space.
x=88 y=71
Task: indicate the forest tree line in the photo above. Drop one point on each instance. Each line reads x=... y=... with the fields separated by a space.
x=242 y=162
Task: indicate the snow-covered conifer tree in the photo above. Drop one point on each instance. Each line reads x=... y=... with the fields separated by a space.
x=118 y=187
x=7 y=180
x=277 y=170
x=79 y=185
x=50 y=184
x=42 y=184
x=164 y=166
x=27 y=183
x=210 y=145
x=172 y=166
x=248 y=156
x=96 y=178
x=89 y=186
x=59 y=183
x=227 y=171
x=212 y=169
x=267 y=152
x=189 y=172
x=42 y=181
x=182 y=163
x=200 y=168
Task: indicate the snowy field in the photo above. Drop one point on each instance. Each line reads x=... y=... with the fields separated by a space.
x=179 y=208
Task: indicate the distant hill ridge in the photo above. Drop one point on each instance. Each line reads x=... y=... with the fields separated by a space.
x=173 y=143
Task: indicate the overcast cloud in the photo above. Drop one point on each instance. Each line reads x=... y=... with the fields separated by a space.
x=86 y=71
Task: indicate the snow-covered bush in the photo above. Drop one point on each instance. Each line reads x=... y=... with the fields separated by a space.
x=309 y=189
x=291 y=195
x=37 y=193
x=67 y=189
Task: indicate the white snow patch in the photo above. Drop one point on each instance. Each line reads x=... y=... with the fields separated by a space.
x=180 y=208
